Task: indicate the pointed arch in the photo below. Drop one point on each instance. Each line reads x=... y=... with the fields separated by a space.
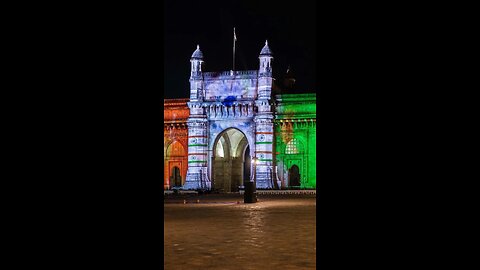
x=294 y=147
x=175 y=149
x=228 y=161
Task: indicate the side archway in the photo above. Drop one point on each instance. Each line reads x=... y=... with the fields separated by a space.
x=175 y=157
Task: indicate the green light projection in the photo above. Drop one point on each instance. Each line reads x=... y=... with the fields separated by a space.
x=295 y=143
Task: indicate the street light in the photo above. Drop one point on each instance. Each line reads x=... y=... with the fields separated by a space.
x=250 y=195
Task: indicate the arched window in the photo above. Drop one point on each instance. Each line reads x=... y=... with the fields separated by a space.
x=175 y=149
x=293 y=147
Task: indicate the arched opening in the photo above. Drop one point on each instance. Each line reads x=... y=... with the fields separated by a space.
x=294 y=154
x=176 y=177
x=231 y=161
x=294 y=176
x=175 y=164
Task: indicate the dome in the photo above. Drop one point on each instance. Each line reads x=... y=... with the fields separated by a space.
x=197 y=54
x=266 y=50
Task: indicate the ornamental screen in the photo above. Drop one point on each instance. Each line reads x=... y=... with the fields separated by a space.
x=292 y=147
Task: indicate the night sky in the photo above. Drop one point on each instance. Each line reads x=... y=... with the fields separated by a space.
x=289 y=26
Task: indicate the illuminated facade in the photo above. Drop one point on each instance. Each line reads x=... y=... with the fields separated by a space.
x=296 y=140
x=232 y=118
x=175 y=134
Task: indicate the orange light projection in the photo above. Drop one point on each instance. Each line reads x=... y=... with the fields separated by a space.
x=175 y=134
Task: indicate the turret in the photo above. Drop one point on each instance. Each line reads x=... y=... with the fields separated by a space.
x=196 y=92
x=197 y=125
x=266 y=57
x=197 y=61
x=264 y=172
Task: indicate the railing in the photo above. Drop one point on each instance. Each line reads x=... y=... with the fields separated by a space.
x=230 y=73
x=284 y=192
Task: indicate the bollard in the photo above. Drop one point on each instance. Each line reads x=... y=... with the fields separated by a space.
x=250 y=194
x=184 y=201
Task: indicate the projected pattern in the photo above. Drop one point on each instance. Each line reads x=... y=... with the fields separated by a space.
x=233 y=119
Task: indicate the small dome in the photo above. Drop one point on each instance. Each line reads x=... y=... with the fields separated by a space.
x=197 y=54
x=266 y=50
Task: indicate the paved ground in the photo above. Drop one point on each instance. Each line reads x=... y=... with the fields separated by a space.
x=221 y=232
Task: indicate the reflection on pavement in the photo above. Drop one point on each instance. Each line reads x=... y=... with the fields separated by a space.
x=270 y=234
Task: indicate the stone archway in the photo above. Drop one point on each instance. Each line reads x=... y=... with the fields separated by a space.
x=229 y=161
x=175 y=157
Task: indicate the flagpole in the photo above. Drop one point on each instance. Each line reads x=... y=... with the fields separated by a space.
x=234 y=39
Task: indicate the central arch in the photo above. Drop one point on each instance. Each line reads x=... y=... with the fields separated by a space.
x=231 y=161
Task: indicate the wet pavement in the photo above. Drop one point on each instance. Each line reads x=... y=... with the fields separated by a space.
x=221 y=232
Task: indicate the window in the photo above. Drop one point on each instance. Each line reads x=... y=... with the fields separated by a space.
x=293 y=147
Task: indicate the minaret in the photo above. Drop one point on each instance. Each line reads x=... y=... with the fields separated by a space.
x=197 y=128
x=196 y=74
x=265 y=72
x=264 y=173
x=266 y=60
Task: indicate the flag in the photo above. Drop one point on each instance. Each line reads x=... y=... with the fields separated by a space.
x=234 y=36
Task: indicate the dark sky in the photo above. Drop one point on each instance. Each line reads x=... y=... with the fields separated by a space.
x=289 y=26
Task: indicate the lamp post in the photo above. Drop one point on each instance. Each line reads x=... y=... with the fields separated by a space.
x=250 y=195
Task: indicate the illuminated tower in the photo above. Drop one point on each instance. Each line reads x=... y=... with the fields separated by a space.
x=196 y=75
x=264 y=122
x=197 y=128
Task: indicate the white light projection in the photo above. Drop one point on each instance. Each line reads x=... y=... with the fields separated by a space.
x=237 y=102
